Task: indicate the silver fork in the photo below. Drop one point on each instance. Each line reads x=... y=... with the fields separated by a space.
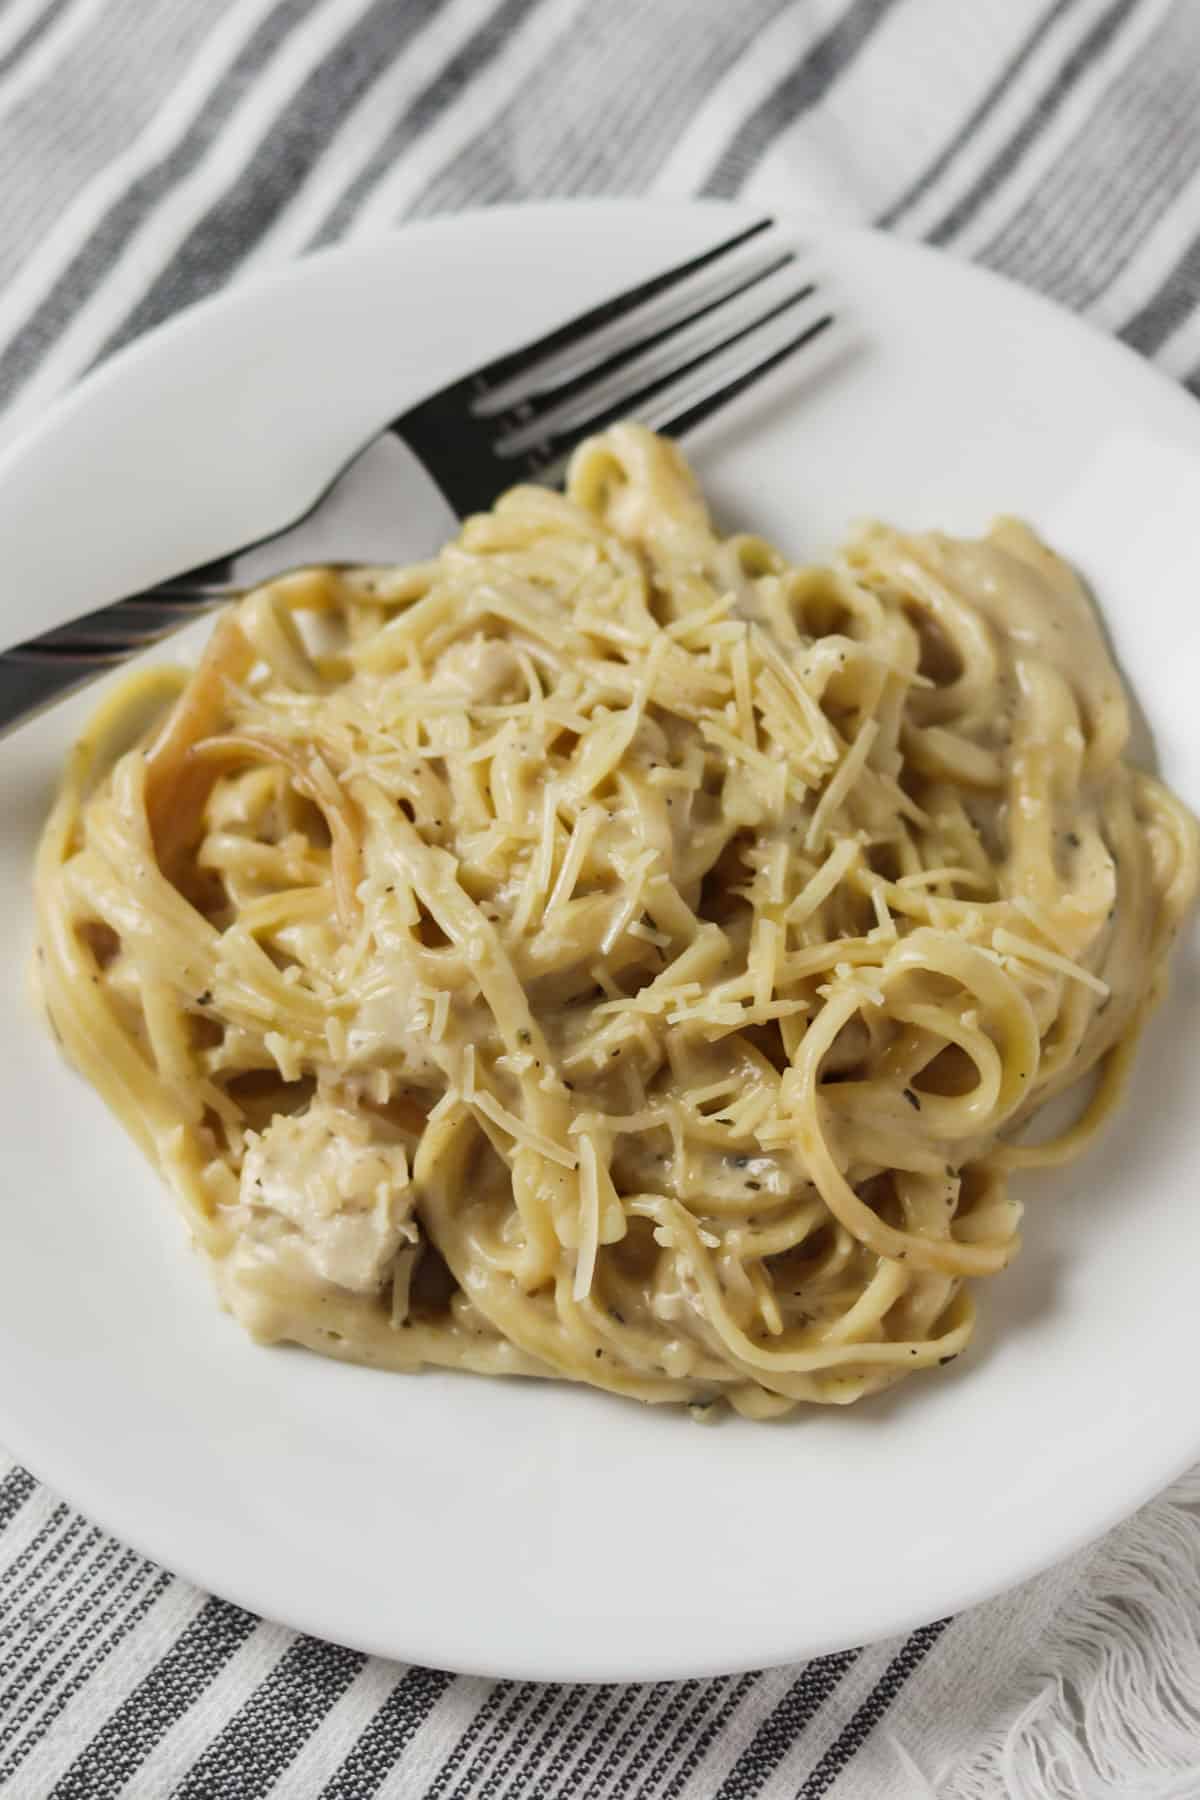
x=671 y=352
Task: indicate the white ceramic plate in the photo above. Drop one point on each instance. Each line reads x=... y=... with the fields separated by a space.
x=524 y=1529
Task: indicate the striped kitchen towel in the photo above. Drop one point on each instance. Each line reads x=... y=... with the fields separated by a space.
x=151 y=151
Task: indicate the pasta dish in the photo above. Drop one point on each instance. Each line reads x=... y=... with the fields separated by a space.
x=611 y=952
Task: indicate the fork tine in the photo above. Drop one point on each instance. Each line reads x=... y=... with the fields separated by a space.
x=564 y=425
x=563 y=385
x=676 y=419
x=676 y=423
x=516 y=362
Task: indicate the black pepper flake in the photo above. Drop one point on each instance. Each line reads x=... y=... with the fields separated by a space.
x=723 y=1121
x=943 y=1360
x=754 y=1186
x=1072 y=838
x=912 y=1099
x=204 y=999
x=524 y=1037
x=617 y=1316
x=599 y=1353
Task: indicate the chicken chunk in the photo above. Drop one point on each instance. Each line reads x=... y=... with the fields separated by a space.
x=324 y=1196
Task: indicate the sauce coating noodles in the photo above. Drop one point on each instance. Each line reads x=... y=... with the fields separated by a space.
x=608 y=951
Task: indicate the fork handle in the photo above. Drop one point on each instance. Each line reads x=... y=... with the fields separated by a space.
x=36 y=673
x=383 y=507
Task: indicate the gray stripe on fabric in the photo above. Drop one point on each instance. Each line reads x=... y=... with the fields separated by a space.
x=66 y=127
x=560 y=1735
x=61 y=1518
x=519 y=1696
x=526 y=1749
x=799 y=91
x=586 y=120
x=171 y=1688
x=266 y=1734
x=636 y=1721
x=54 y=1584
x=553 y=1779
x=93 y=261
x=123 y=1617
x=858 y=1729
x=707 y=1699
x=551 y=1701
x=448 y=86
x=784 y=1724
x=605 y=1711
x=386 y=1738
x=483 y=1716
x=667 y=1722
x=1074 y=234
x=695 y=1756
x=978 y=115
x=1153 y=323
x=55 y=1537
x=31 y=37
x=263 y=186
x=28 y=1663
x=1037 y=121
x=647 y=128
x=16 y=1488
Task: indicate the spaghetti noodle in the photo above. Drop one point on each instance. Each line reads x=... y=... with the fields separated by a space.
x=608 y=951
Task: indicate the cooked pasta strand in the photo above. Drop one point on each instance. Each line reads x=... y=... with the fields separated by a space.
x=621 y=956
